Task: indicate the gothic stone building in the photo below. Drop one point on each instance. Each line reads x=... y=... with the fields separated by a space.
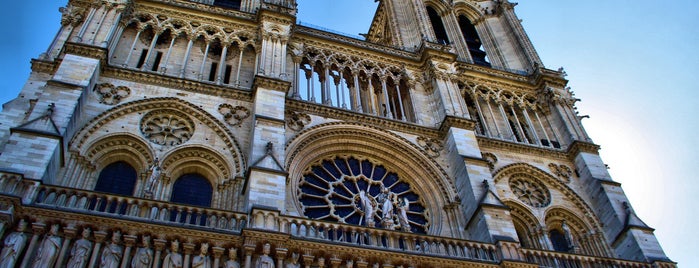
x=216 y=133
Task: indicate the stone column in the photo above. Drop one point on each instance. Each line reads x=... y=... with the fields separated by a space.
x=99 y=239
x=69 y=233
x=159 y=246
x=38 y=228
x=188 y=249
x=129 y=241
x=183 y=69
x=218 y=251
x=281 y=256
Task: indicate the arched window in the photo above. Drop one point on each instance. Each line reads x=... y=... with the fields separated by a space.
x=438 y=26
x=192 y=189
x=472 y=41
x=559 y=241
x=117 y=178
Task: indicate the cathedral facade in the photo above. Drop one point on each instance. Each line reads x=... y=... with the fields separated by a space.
x=222 y=133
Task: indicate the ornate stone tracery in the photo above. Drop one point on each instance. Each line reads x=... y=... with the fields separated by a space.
x=530 y=191
x=167 y=127
x=234 y=116
x=110 y=94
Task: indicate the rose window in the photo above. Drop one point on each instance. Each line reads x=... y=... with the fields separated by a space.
x=333 y=190
x=530 y=191
x=167 y=127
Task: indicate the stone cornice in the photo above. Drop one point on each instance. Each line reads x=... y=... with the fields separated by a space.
x=271 y=83
x=433 y=51
x=88 y=51
x=44 y=66
x=178 y=83
x=456 y=122
x=346 y=115
x=582 y=147
x=488 y=144
x=205 y=9
x=548 y=77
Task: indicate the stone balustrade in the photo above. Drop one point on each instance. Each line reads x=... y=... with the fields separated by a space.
x=138 y=209
x=556 y=259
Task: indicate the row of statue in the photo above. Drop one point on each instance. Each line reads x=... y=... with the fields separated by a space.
x=394 y=210
x=110 y=256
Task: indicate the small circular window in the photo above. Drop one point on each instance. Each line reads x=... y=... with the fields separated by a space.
x=530 y=191
x=354 y=191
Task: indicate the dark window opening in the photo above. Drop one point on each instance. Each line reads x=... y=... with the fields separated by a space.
x=142 y=59
x=232 y=4
x=473 y=111
x=192 y=189
x=473 y=41
x=227 y=75
x=212 y=72
x=156 y=62
x=559 y=241
x=438 y=26
x=117 y=178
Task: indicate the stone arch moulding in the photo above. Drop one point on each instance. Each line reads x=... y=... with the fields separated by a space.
x=196 y=159
x=469 y=10
x=521 y=168
x=385 y=148
x=120 y=146
x=88 y=131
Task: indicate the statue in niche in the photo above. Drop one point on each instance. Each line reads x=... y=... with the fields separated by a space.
x=264 y=260
x=232 y=261
x=385 y=199
x=201 y=260
x=403 y=206
x=48 y=251
x=567 y=234
x=153 y=179
x=368 y=205
x=111 y=254
x=293 y=261
x=14 y=244
x=144 y=255
x=173 y=259
x=80 y=253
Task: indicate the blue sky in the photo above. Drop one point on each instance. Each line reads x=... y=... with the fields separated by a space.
x=634 y=64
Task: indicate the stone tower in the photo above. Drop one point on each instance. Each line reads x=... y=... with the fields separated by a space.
x=176 y=133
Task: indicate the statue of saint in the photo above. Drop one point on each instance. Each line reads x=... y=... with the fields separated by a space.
x=403 y=208
x=368 y=207
x=144 y=255
x=111 y=254
x=48 y=252
x=264 y=260
x=173 y=259
x=80 y=253
x=201 y=260
x=349 y=264
x=232 y=261
x=153 y=179
x=14 y=244
x=384 y=199
x=293 y=261
x=567 y=234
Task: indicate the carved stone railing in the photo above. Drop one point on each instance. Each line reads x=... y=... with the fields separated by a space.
x=359 y=236
x=555 y=259
x=131 y=208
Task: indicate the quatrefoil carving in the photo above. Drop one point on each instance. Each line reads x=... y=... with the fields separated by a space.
x=110 y=94
x=234 y=116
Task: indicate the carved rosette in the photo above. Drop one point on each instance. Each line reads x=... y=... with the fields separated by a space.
x=110 y=94
x=297 y=121
x=530 y=191
x=562 y=172
x=431 y=146
x=233 y=116
x=167 y=127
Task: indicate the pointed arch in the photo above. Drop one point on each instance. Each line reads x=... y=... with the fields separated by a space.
x=382 y=147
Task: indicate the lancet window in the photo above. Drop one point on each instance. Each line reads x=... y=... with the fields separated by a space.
x=180 y=49
x=473 y=41
x=438 y=26
x=192 y=189
x=361 y=87
x=117 y=178
x=507 y=116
